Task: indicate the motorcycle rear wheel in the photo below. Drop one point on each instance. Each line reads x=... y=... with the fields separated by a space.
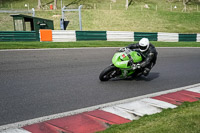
x=108 y=73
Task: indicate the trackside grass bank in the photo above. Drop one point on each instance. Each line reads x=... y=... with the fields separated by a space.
x=105 y=15
x=184 y=119
x=37 y=45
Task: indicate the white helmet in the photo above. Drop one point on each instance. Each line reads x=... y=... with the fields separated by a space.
x=144 y=44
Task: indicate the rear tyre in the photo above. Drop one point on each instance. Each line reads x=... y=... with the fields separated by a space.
x=108 y=73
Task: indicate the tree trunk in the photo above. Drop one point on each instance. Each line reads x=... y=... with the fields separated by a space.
x=39 y=4
x=184 y=4
x=186 y=1
x=55 y=4
x=126 y=4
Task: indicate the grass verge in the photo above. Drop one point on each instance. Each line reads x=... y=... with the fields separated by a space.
x=36 y=45
x=104 y=15
x=184 y=119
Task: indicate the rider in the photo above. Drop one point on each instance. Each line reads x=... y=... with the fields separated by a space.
x=148 y=52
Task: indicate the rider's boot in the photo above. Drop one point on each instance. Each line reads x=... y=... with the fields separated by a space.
x=146 y=71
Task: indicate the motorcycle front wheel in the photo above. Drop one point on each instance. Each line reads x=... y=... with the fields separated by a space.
x=109 y=72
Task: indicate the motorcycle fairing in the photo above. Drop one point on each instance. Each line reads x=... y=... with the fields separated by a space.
x=120 y=59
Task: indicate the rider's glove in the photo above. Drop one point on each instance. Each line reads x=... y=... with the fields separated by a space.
x=130 y=62
x=122 y=49
x=138 y=66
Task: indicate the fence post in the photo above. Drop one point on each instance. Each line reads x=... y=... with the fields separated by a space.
x=80 y=21
x=33 y=12
x=61 y=4
x=63 y=16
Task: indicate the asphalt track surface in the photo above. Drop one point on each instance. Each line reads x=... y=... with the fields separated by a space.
x=36 y=83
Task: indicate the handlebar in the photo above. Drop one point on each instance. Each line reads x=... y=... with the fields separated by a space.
x=134 y=66
x=127 y=51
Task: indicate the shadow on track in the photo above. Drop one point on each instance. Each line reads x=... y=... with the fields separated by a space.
x=150 y=77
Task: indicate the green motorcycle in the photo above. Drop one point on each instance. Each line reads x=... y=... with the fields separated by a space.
x=124 y=65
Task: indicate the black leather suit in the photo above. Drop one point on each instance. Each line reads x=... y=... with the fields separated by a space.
x=149 y=56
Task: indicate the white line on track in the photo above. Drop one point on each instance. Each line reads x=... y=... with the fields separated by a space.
x=69 y=113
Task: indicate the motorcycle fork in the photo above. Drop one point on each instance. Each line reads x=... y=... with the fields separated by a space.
x=126 y=73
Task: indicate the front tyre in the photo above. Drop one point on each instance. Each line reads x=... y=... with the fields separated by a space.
x=108 y=73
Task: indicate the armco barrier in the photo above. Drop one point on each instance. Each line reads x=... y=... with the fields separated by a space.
x=64 y=36
x=149 y=35
x=187 y=37
x=46 y=35
x=90 y=35
x=168 y=37
x=71 y=36
x=198 y=37
x=120 y=36
x=18 y=36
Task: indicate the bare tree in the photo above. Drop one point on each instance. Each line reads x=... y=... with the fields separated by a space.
x=128 y=3
x=39 y=4
x=185 y=2
x=55 y=5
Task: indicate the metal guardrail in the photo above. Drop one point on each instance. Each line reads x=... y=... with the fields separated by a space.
x=18 y=36
x=15 y=11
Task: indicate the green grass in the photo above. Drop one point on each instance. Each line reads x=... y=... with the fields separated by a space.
x=35 y=45
x=137 y=21
x=121 y=20
x=101 y=15
x=184 y=119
